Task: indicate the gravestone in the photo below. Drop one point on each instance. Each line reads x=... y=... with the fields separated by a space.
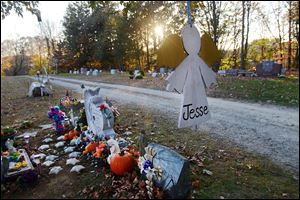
x=113 y=71
x=154 y=74
x=268 y=68
x=70 y=72
x=162 y=70
x=136 y=72
x=175 y=179
x=99 y=122
x=83 y=70
x=222 y=72
x=95 y=72
x=232 y=72
x=89 y=73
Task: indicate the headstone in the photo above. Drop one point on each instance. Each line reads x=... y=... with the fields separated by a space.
x=113 y=71
x=175 y=179
x=89 y=73
x=154 y=74
x=222 y=72
x=232 y=72
x=70 y=72
x=99 y=122
x=268 y=68
x=162 y=70
x=137 y=72
x=95 y=72
x=83 y=70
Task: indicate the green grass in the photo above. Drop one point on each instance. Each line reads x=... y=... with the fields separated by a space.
x=283 y=92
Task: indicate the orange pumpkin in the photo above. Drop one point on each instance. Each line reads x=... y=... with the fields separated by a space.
x=90 y=148
x=71 y=135
x=121 y=163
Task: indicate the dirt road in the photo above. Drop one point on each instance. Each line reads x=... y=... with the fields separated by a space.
x=268 y=130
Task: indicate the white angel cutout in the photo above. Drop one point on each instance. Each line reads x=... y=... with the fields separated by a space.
x=191 y=77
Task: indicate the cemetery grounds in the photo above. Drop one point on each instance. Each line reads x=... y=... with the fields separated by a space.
x=219 y=169
x=284 y=92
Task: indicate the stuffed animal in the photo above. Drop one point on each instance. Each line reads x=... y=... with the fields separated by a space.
x=90 y=148
x=71 y=135
x=99 y=150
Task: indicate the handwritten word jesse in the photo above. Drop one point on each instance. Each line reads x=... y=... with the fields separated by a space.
x=192 y=113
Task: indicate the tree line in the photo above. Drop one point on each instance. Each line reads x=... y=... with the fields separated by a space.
x=118 y=34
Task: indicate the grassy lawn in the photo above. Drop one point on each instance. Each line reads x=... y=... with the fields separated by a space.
x=266 y=90
x=236 y=173
x=276 y=91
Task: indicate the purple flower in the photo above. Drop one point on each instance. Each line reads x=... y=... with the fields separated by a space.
x=147 y=165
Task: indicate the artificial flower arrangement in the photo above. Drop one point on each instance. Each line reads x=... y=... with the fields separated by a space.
x=108 y=105
x=148 y=170
x=57 y=116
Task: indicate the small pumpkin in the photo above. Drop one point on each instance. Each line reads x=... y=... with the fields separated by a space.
x=121 y=163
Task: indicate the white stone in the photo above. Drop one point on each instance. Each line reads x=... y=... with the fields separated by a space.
x=28 y=134
x=69 y=149
x=60 y=138
x=48 y=140
x=59 y=144
x=72 y=161
x=35 y=156
x=48 y=163
x=43 y=147
x=55 y=170
x=51 y=157
x=127 y=133
x=77 y=168
x=46 y=126
x=74 y=154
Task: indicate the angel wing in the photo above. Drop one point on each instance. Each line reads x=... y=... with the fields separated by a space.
x=171 y=52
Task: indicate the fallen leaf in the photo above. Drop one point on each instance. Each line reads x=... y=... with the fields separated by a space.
x=196 y=184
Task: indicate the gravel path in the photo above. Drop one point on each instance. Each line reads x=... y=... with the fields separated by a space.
x=272 y=131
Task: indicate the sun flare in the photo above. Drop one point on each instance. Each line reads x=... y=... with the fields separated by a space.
x=159 y=31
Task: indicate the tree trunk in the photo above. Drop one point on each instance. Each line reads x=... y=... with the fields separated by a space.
x=242 y=44
x=215 y=22
x=290 y=37
x=147 y=48
x=247 y=33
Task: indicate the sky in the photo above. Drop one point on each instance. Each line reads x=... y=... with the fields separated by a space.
x=14 y=26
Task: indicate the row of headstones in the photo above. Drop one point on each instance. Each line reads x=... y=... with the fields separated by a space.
x=97 y=72
x=162 y=71
x=87 y=72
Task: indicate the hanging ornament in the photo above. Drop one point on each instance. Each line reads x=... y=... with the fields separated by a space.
x=191 y=77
